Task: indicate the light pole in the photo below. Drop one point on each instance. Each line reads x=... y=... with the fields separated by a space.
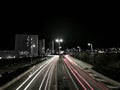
x=89 y=44
x=92 y=54
x=59 y=41
x=32 y=46
x=79 y=49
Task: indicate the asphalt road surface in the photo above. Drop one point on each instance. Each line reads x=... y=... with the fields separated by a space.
x=80 y=79
x=58 y=73
x=43 y=78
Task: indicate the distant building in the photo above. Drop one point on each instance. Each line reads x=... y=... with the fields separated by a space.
x=41 y=47
x=51 y=47
x=26 y=44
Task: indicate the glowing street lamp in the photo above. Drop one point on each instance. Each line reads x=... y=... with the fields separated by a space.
x=60 y=47
x=59 y=41
x=79 y=49
x=33 y=45
x=89 y=44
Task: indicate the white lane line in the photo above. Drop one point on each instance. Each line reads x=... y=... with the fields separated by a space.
x=87 y=71
x=37 y=75
x=113 y=87
x=45 y=77
x=79 y=76
x=97 y=83
x=28 y=78
x=71 y=78
x=101 y=80
x=33 y=74
x=34 y=78
x=49 y=77
x=93 y=75
x=83 y=86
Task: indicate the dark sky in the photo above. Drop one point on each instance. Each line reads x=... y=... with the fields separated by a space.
x=74 y=31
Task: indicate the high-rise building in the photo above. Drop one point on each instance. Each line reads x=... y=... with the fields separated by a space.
x=51 y=47
x=42 y=47
x=27 y=43
x=53 y=51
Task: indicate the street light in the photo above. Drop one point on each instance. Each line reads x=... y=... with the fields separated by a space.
x=59 y=41
x=60 y=47
x=79 y=49
x=73 y=49
x=32 y=46
x=89 y=44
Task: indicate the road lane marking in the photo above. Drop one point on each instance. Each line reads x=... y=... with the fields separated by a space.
x=71 y=78
x=81 y=77
x=101 y=80
x=101 y=85
x=51 y=74
x=76 y=77
x=28 y=78
x=34 y=73
x=113 y=87
x=45 y=77
x=37 y=75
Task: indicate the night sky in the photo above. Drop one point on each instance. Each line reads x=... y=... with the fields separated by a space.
x=73 y=31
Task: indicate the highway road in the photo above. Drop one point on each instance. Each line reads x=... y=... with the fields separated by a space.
x=58 y=73
x=43 y=78
x=80 y=79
